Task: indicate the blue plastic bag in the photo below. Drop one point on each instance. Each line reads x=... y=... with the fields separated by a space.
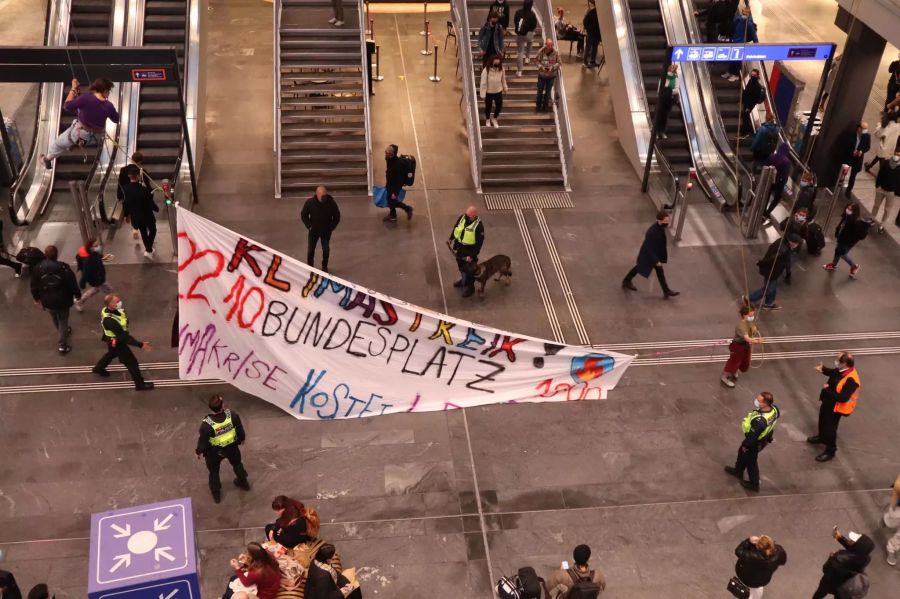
x=380 y=198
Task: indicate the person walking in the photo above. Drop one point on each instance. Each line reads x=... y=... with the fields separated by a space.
x=465 y=242
x=5 y=258
x=490 y=39
x=887 y=186
x=885 y=136
x=758 y=558
x=781 y=161
x=852 y=147
x=90 y=125
x=137 y=159
x=893 y=84
x=221 y=435
x=591 y=24
x=652 y=255
x=321 y=216
x=394 y=180
x=547 y=61
x=848 y=233
x=114 y=324
x=836 y=399
x=746 y=335
x=892 y=520
x=743 y=32
x=765 y=142
x=589 y=581
x=338 y=7
x=501 y=9
x=525 y=22
x=719 y=17
x=795 y=225
x=845 y=564
x=758 y=427
x=138 y=208
x=53 y=287
x=752 y=96
x=93 y=272
x=492 y=88
x=665 y=101
x=772 y=265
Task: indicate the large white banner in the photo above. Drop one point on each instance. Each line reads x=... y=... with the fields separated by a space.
x=321 y=348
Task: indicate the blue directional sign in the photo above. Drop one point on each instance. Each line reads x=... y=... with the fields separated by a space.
x=744 y=52
x=144 y=552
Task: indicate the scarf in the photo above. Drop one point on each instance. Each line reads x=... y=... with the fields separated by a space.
x=329 y=569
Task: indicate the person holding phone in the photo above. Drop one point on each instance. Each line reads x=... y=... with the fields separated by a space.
x=843 y=565
x=582 y=579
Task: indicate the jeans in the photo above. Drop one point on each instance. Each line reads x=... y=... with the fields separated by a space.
x=338 y=6
x=887 y=198
x=127 y=359
x=91 y=291
x=60 y=320
x=590 y=50
x=493 y=99
x=769 y=292
x=214 y=457
x=313 y=238
x=855 y=166
x=842 y=252
x=523 y=49
x=148 y=234
x=660 y=274
x=746 y=124
x=544 y=91
x=76 y=134
x=467 y=273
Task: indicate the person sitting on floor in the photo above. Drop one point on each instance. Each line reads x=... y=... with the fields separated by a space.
x=290 y=528
x=257 y=574
x=325 y=582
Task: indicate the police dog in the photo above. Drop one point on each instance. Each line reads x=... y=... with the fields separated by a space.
x=499 y=265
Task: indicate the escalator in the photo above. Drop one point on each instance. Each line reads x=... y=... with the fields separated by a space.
x=159 y=135
x=90 y=24
x=650 y=39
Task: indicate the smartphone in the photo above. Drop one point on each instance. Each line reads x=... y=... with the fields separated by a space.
x=565 y=565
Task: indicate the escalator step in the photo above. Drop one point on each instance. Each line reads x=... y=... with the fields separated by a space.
x=165 y=7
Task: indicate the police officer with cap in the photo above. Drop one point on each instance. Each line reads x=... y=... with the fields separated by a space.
x=118 y=340
x=758 y=427
x=465 y=242
x=221 y=434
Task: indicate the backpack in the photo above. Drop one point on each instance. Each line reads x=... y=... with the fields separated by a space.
x=770 y=142
x=409 y=168
x=312 y=522
x=583 y=587
x=855 y=587
x=508 y=587
x=530 y=582
x=864 y=226
x=30 y=256
x=305 y=553
x=815 y=239
x=53 y=289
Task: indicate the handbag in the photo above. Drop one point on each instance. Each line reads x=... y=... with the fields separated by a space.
x=738 y=588
x=380 y=197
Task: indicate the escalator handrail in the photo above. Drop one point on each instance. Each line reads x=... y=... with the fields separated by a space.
x=181 y=175
x=366 y=95
x=276 y=95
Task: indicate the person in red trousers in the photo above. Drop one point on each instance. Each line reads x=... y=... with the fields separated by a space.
x=746 y=334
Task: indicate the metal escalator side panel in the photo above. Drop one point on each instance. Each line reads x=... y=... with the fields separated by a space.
x=460 y=18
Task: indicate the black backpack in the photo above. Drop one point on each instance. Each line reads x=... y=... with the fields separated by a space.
x=524 y=585
x=408 y=163
x=815 y=239
x=53 y=289
x=30 y=256
x=583 y=587
x=770 y=143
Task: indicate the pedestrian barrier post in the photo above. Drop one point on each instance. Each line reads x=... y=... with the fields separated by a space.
x=424 y=19
x=426 y=51
x=434 y=78
x=378 y=76
x=682 y=201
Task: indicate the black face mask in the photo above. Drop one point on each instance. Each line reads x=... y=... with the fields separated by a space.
x=663 y=225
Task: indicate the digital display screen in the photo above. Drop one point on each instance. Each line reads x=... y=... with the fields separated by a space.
x=801 y=52
x=148 y=74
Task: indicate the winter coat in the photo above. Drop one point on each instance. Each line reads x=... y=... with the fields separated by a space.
x=493 y=81
x=844 y=564
x=653 y=250
x=753 y=567
x=138 y=205
x=737 y=34
x=525 y=21
x=782 y=162
x=490 y=39
x=888 y=177
x=886 y=139
x=591 y=24
x=53 y=284
x=321 y=216
x=760 y=140
x=776 y=260
x=847 y=232
x=753 y=93
x=394 y=176
x=90 y=264
x=847 y=145
x=320 y=584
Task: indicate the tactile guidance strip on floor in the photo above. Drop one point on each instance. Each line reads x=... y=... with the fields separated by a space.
x=522 y=201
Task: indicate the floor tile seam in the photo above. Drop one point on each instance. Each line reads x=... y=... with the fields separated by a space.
x=526 y=512
x=540 y=280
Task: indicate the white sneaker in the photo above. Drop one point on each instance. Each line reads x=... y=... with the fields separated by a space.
x=487 y=122
x=733 y=78
x=338 y=23
x=518 y=73
x=148 y=255
x=79 y=307
x=725 y=75
x=891 y=558
x=494 y=122
x=727 y=381
x=332 y=21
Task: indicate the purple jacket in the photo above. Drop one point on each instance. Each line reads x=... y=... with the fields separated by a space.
x=781 y=161
x=92 y=111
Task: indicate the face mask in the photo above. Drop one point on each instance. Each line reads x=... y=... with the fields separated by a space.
x=848 y=212
x=804 y=183
x=751 y=318
x=664 y=225
x=801 y=219
x=837 y=363
x=756 y=404
x=895 y=158
x=97 y=248
x=119 y=305
x=864 y=131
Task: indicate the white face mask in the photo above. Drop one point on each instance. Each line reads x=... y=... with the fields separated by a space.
x=895 y=158
x=119 y=305
x=750 y=318
x=97 y=248
x=756 y=404
x=801 y=219
x=837 y=363
x=848 y=212
x=864 y=131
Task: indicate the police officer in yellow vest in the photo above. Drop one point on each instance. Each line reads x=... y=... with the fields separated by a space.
x=114 y=324
x=221 y=434
x=838 y=398
x=465 y=242
x=758 y=427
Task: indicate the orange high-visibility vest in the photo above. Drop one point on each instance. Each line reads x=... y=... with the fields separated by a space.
x=846 y=408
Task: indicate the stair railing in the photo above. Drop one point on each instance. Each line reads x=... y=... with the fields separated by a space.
x=366 y=83
x=276 y=108
x=544 y=12
x=460 y=16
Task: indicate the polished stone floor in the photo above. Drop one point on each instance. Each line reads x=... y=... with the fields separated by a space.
x=441 y=504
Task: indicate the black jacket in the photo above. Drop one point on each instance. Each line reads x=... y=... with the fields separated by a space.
x=753 y=567
x=321 y=216
x=468 y=250
x=394 y=176
x=888 y=177
x=753 y=94
x=53 y=284
x=206 y=431
x=848 y=144
x=806 y=198
x=719 y=19
x=12 y=589
x=90 y=264
x=501 y=9
x=289 y=535
x=653 y=250
x=591 y=24
x=138 y=204
x=123 y=337
x=842 y=565
x=829 y=395
x=525 y=21
x=320 y=585
x=751 y=439
x=776 y=256
x=124 y=180
x=849 y=231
